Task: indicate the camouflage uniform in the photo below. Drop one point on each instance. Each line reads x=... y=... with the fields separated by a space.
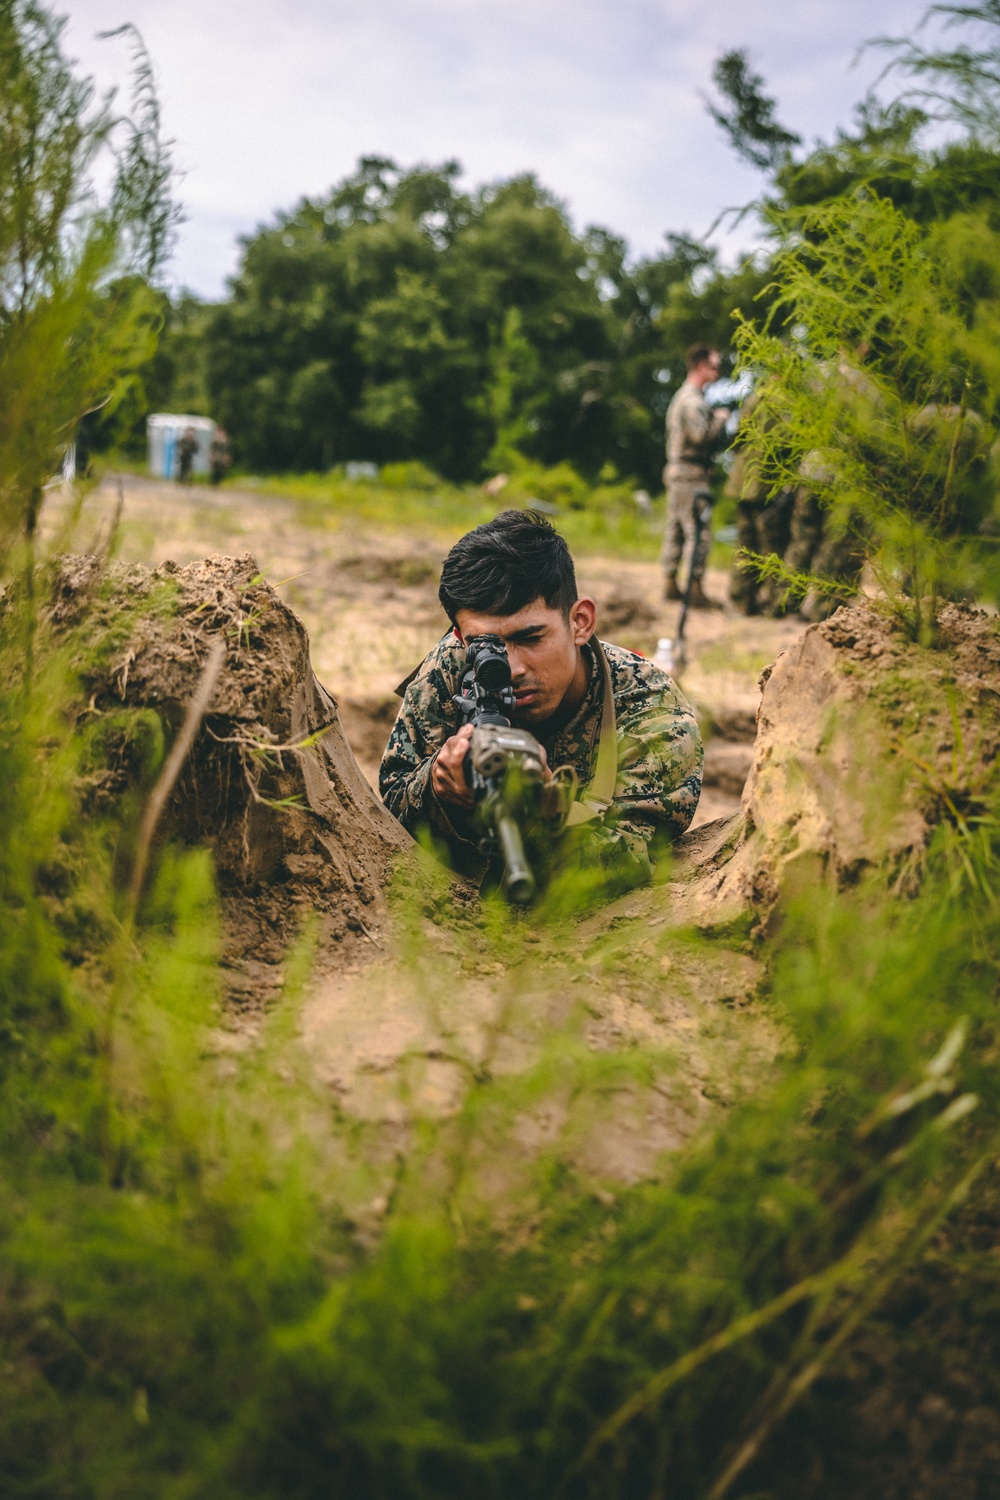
x=815 y=547
x=762 y=526
x=806 y=534
x=659 y=760
x=187 y=450
x=694 y=432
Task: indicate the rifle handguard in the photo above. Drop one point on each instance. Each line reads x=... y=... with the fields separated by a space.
x=493 y=747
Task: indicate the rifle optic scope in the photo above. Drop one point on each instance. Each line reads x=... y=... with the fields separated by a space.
x=487 y=656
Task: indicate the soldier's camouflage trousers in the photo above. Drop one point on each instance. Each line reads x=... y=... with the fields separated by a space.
x=761 y=528
x=841 y=557
x=683 y=496
x=806 y=531
x=815 y=549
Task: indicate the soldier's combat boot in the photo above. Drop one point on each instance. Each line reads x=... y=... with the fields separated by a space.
x=671 y=592
x=700 y=600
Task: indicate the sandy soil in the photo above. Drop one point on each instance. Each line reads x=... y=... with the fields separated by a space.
x=401 y=1017
x=368 y=598
x=613 y=1040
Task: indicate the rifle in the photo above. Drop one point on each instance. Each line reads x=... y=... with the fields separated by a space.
x=505 y=767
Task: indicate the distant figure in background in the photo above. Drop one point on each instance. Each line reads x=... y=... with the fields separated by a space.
x=186 y=450
x=694 y=433
x=219 y=456
x=808 y=517
x=763 y=526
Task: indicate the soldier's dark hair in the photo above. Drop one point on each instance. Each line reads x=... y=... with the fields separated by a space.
x=507 y=563
x=698 y=353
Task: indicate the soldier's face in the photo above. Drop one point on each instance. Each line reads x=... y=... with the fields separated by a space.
x=546 y=667
x=708 y=371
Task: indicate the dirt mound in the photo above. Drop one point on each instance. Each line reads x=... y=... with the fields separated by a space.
x=618 y=609
x=271 y=785
x=822 y=785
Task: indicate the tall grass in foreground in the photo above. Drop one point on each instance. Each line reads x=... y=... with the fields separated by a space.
x=189 y=1308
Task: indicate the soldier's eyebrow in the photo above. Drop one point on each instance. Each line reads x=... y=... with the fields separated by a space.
x=529 y=633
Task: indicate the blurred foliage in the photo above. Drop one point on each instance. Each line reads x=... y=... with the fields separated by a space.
x=884 y=402
x=750 y=121
x=77 y=316
x=194 y=1299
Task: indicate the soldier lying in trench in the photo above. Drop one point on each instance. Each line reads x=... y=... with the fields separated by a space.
x=514 y=578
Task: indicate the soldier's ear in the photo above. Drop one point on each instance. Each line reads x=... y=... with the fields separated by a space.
x=583 y=620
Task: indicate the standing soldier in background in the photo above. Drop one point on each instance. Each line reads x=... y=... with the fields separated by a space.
x=763 y=526
x=186 y=450
x=219 y=456
x=694 y=433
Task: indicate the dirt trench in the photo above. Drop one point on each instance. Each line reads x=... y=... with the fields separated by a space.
x=863 y=742
x=396 y=1029
x=271 y=785
x=404 y=1017
x=672 y=974
x=367 y=596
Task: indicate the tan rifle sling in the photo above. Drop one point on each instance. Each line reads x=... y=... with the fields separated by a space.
x=598 y=795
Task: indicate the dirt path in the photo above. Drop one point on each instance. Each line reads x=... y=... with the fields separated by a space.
x=638 y=1039
x=368 y=598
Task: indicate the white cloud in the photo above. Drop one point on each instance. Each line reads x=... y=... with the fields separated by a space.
x=601 y=98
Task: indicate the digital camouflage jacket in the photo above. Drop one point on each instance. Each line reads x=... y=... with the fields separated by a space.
x=659 y=759
x=694 y=432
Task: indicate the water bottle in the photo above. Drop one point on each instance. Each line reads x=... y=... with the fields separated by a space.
x=663 y=657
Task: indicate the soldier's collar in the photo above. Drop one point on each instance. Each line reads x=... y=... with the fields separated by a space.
x=592 y=695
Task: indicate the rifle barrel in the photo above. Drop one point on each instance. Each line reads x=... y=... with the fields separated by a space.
x=519 y=882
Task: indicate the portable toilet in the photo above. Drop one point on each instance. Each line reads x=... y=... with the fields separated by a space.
x=164 y=431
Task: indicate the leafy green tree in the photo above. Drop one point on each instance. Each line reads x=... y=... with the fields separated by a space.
x=887 y=148
x=77 y=316
x=884 y=249
x=303 y=363
x=885 y=399
x=176 y=372
x=512 y=393
x=750 y=121
x=962 y=83
x=400 y=318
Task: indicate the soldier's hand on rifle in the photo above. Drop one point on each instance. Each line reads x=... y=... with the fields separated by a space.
x=448 y=771
x=448 y=779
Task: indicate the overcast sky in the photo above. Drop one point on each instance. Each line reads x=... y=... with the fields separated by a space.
x=270 y=99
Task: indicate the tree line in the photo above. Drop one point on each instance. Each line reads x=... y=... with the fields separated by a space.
x=400 y=317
